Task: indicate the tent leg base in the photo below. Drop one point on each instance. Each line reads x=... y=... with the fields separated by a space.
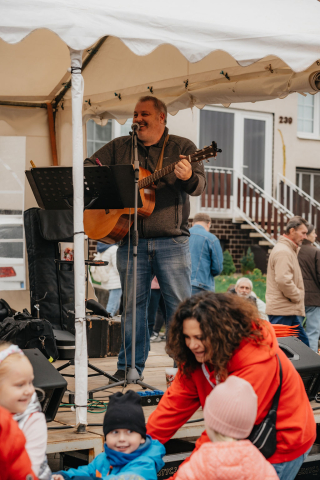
x=81 y=428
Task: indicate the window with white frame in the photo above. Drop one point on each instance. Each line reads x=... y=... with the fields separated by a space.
x=309 y=116
x=308 y=179
x=98 y=136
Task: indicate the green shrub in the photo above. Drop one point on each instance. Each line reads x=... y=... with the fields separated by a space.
x=247 y=262
x=228 y=265
x=257 y=273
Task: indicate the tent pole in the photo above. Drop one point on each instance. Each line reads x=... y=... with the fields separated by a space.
x=81 y=365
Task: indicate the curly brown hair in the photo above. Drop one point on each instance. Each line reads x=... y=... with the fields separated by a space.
x=225 y=320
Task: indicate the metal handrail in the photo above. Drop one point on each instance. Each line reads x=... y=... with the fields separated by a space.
x=263 y=193
x=266 y=195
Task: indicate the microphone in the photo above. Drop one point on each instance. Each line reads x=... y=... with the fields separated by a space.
x=135 y=127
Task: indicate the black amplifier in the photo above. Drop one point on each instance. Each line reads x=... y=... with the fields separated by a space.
x=177 y=451
x=306 y=362
x=49 y=380
x=310 y=469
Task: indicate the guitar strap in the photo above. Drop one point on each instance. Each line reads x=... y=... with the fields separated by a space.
x=160 y=160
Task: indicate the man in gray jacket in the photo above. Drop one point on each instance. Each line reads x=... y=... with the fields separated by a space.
x=285 y=289
x=163 y=249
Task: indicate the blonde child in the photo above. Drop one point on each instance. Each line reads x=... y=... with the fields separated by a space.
x=229 y=414
x=18 y=396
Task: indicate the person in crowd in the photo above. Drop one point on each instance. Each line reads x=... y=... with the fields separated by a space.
x=128 y=449
x=160 y=321
x=112 y=280
x=285 y=289
x=156 y=312
x=206 y=254
x=163 y=249
x=101 y=293
x=309 y=261
x=18 y=396
x=109 y=277
x=214 y=336
x=229 y=415
x=244 y=288
x=15 y=463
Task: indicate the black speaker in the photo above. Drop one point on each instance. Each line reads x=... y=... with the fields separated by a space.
x=310 y=469
x=306 y=362
x=49 y=380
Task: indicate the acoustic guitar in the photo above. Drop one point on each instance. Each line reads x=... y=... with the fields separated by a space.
x=110 y=226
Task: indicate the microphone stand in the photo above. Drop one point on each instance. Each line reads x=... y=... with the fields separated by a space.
x=133 y=376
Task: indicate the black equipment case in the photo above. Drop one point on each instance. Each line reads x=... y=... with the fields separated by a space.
x=103 y=336
x=306 y=362
x=66 y=344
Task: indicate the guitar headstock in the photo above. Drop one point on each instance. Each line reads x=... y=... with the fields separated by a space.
x=205 y=153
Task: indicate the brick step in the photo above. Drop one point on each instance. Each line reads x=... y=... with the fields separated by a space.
x=247 y=226
x=255 y=235
x=265 y=243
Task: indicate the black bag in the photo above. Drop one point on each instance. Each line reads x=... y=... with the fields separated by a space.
x=5 y=310
x=28 y=332
x=263 y=436
x=48 y=280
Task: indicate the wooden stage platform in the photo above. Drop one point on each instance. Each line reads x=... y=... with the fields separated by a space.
x=67 y=440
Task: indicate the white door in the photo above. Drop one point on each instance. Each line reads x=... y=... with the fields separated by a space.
x=246 y=141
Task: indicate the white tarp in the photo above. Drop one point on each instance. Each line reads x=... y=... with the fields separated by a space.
x=247 y=30
x=264 y=49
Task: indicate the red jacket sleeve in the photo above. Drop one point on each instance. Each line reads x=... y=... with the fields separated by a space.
x=177 y=405
x=14 y=460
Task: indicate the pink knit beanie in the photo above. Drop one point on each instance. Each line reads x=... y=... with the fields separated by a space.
x=231 y=408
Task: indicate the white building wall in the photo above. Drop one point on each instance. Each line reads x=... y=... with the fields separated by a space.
x=299 y=152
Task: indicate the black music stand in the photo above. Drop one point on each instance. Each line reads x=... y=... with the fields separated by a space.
x=105 y=187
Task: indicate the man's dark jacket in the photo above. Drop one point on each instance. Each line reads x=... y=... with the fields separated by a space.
x=172 y=207
x=309 y=260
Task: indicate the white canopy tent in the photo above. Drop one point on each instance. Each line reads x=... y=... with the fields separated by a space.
x=186 y=53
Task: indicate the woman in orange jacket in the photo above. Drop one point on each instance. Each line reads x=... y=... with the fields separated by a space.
x=213 y=336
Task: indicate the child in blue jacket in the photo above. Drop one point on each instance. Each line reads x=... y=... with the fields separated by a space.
x=128 y=450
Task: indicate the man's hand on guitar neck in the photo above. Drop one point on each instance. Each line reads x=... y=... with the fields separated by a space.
x=183 y=169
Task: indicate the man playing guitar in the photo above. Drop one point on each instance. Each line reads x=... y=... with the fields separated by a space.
x=163 y=249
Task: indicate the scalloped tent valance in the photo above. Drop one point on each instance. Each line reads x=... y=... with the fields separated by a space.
x=188 y=54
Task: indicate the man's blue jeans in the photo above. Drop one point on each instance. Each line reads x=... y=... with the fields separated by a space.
x=169 y=259
x=156 y=303
x=289 y=470
x=313 y=326
x=291 y=320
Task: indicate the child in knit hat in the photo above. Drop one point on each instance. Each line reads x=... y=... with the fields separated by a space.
x=229 y=414
x=128 y=451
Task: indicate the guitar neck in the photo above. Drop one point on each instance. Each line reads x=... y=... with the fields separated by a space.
x=198 y=156
x=145 y=182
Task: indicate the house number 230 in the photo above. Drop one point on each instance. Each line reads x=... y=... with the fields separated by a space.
x=285 y=120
